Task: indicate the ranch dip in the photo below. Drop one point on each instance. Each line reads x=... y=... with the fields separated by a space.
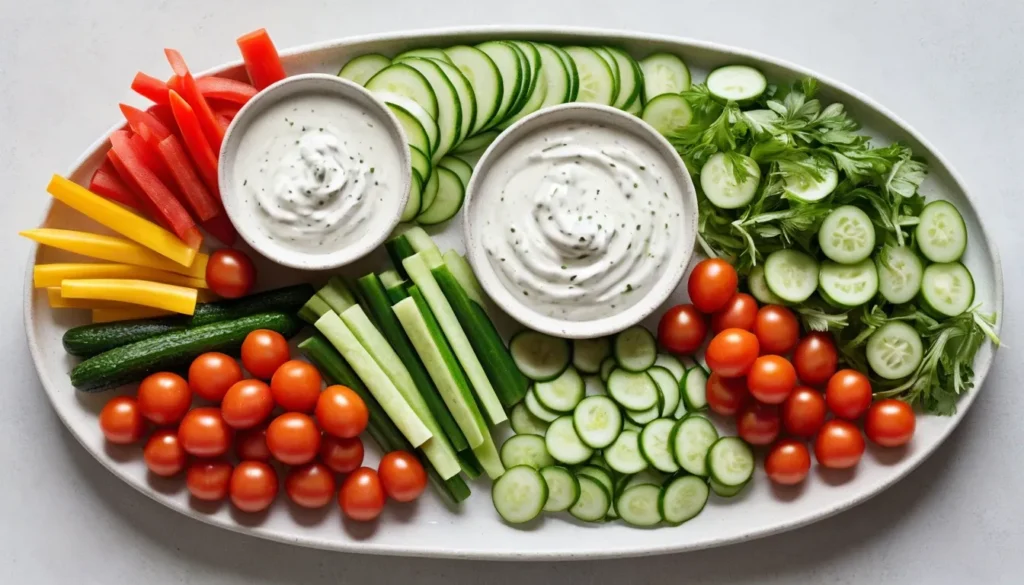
x=578 y=220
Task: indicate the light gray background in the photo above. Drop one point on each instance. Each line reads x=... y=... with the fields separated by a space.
x=950 y=68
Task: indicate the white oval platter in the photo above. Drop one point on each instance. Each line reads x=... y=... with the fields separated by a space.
x=428 y=528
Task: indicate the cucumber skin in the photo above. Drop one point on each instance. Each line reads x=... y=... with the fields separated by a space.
x=173 y=350
x=90 y=340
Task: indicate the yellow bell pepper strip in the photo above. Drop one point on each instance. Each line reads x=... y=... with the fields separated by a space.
x=121 y=220
x=114 y=249
x=126 y=313
x=47 y=275
x=168 y=297
x=57 y=301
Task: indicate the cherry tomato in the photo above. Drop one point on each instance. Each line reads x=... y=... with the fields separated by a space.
x=787 y=462
x=121 y=421
x=247 y=404
x=208 y=480
x=848 y=394
x=251 y=445
x=163 y=453
x=311 y=485
x=758 y=424
x=712 y=283
x=726 y=396
x=803 y=412
x=296 y=386
x=777 y=329
x=839 y=445
x=230 y=273
x=204 y=433
x=164 y=398
x=740 y=313
x=362 y=496
x=253 y=486
x=732 y=352
x=263 y=351
x=815 y=358
x=771 y=379
x=293 y=438
x=341 y=412
x=682 y=329
x=402 y=476
x=890 y=423
x=343 y=455
x=211 y=374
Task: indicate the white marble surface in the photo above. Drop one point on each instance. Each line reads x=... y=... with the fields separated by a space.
x=950 y=68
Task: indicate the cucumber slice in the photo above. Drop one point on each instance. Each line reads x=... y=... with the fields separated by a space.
x=623 y=455
x=808 y=189
x=630 y=82
x=668 y=113
x=411 y=107
x=467 y=98
x=563 y=488
x=791 y=275
x=506 y=58
x=485 y=80
x=736 y=83
x=695 y=390
x=847 y=235
x=563 y=393
x=895 y=350
x=638 y=505
x=730 y=461
x=600 y=474
x=628 y=425
x=726 y=491
x=646 y=477
x=635 y=349
x=672 y=364
x=476 y=143
x=564 y=444
x=691 y=440
x=533 y=103
x=430 y=188
x=595 y=387
x=633 y=390
x=525 y=422
x=448 y=200
x=636 y=108
x=519 y=494
x=538 y=356
x=642 y=417
x=531 y=77
x=364 y=67
x=525 y=450
x=412 y=206
x=720 y=185
x=587 y=354
x=941 y=233
x=414 y=133
x=401 y=79
x=458 y=166
x=598 y=421
x=655 y=447
x=759 y=288
x=523 y=89
x=664 y=73
x=613 y=66
x=424 y=53
x=848 y=285
x=607 y=365
x=597 y=84
x=449 y=108
x=947 y=289
x=669 y=388
x=556 y=75
x=594 y=500
x=537 y=409
x=574 y=74
x=683 y=498
x=900 y=273
x=420 y=161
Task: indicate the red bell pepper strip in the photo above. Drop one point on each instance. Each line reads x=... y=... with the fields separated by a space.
x=221 y=228
x=145 y=205
x=162 y=112
x=229 y=90
x=149 y=157
x=150 y=88
x=204 y=156
x=190 y=91
x=137 y=118
x=261 y=59
x=105 y=182
x=198 y=197
x=164 y=202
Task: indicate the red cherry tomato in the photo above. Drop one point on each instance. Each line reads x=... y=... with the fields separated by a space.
x=263 y=351
x=890 y=423
x=247 y=404
x=251 y=445
x=839 y=445
x=230 y=273
x=293 y=438
x=296 y=386
x=341 y=454
x=362 y=496
x=803 y=412
x=712 y=283
x=164 y=454
x=204 y=433
x=777 y=329
x=682 y=329
x=740 y=312
x=758 y=424
x=732 y=352
x=341 y=412
x=209 y=480
x=848 y=394
x=253 y=486
x=771 y=379
x=164 y=398
x=726 y=396
x=815 y=358
x=787 y=462
x=211 y=374
x=402 y=476
x=121 y=421
x=311 y=485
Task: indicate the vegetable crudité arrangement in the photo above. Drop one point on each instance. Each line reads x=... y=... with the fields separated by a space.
x=834 y=294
